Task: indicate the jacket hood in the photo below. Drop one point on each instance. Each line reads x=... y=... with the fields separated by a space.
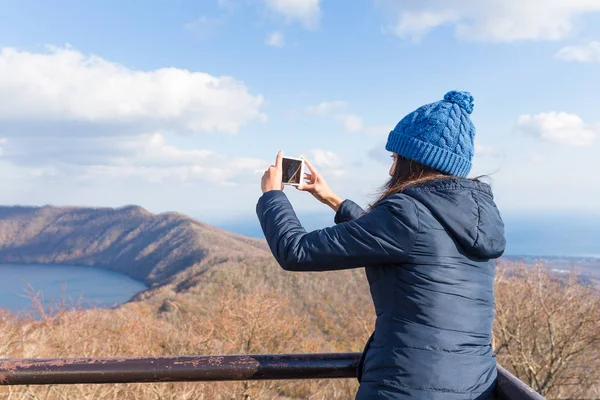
x=467 y=210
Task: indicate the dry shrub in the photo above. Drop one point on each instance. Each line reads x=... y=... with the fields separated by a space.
x=547 y=331
x=239 y=323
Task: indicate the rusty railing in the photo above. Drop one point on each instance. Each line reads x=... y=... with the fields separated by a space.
x=207 y=368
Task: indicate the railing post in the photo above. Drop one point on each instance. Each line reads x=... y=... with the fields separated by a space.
x=509 y=387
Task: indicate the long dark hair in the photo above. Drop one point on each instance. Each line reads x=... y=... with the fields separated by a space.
x=408 y=173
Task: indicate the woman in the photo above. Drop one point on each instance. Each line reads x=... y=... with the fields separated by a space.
x=427 y=246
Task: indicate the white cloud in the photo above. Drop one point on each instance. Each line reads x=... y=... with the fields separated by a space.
x=204 y=26
x=482 y=150
x=148 y=157
x=324 y=159
x=64 y=85
x=326 y=107
x=275 y=39
x=536 y=159
x=74 y=129
x=215 y=174
x=585 y=53
x=351 y=122
x=329 y=163
x=491 y=20
x=307 y=12
x=558 y=127
x=415 y=25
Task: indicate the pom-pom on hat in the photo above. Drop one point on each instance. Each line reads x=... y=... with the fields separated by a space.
x=439 y=135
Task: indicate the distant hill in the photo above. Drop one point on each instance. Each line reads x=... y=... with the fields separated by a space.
x=151 y=248
x=182 y=259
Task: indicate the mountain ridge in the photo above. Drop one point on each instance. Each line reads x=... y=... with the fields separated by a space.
x=131 y=240
x=187 y=264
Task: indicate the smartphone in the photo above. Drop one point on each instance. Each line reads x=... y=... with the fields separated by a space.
x=293 y=170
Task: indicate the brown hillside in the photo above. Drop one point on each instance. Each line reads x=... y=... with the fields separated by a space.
x=187 y=263
x=131 y=240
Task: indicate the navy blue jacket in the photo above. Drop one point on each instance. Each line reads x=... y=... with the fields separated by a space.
x=428 y=254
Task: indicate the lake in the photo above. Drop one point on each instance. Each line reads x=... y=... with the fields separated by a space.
x=83 y=287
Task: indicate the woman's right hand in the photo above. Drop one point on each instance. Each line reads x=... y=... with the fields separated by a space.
x=315 y=184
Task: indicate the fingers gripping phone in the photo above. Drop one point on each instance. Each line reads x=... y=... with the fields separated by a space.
x=293 y=170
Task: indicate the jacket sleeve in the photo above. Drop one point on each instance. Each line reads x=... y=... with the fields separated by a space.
x=386 y=234
x=348 y=211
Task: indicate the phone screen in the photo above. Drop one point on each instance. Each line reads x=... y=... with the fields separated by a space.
x=291 y=171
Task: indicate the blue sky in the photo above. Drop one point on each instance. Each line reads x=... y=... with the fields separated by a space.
x=180 y=105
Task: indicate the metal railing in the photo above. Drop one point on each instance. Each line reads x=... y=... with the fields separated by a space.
x=207 y=368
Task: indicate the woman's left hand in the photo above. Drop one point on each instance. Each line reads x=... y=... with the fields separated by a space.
x=272 y=178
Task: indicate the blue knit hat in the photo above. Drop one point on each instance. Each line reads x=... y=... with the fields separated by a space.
x=439 y=135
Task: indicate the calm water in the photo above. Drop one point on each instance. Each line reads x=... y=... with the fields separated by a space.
x=78 y=286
